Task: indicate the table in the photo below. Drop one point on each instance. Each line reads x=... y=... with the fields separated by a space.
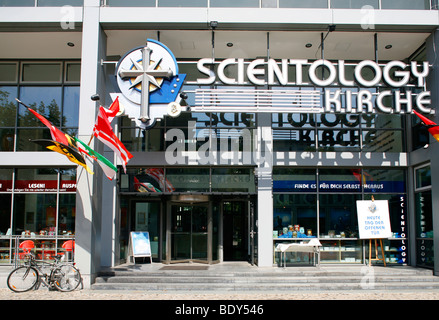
x=311 y=246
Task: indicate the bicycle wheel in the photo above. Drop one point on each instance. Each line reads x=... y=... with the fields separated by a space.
x=66 y=278
x=22 y=279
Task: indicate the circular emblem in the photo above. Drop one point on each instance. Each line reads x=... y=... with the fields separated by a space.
x=131 y=71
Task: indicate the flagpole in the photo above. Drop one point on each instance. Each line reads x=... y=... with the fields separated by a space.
x=19 y=101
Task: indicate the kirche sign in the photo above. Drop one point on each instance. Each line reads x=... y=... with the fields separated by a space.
x=390 y=76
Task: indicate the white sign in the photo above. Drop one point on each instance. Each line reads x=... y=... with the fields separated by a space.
x=140 y=244
x=373 y=219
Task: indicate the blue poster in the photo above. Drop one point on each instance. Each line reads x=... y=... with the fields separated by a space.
x=140 y=243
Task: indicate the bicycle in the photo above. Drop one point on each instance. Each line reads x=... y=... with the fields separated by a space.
x=61 y=276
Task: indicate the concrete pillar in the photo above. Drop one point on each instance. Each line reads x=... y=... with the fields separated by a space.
x=264 y=155
x=88 y=197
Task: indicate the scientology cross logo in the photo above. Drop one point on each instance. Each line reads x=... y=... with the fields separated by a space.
x=149 y=83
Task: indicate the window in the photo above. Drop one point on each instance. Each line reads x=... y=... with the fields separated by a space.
x=322 y=203
x=424 y=217
x=50 y=88
x=37 y=202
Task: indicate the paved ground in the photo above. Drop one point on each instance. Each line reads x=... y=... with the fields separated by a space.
x=44 y=294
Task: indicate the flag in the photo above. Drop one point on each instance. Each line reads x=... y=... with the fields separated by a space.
x=57 y=135
x=109 y=169
x=103 y=131
x=70 y=152
x=432 y=127
x=113 y=110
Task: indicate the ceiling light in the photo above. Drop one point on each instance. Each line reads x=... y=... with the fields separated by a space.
x=389 y=46
x=70 y=44
x=229 y=44
x=308 y=45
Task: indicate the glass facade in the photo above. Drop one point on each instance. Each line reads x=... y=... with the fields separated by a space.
x=424 y=217
x=37 y=204
x=50 y=88
x=324 y=4
x=321 y=203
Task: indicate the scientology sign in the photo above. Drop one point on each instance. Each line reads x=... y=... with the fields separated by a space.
x=390 y=76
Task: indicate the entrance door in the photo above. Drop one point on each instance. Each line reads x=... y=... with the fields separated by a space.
x=189 y=232
x=235 y=231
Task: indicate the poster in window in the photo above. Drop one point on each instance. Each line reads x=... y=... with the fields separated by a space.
x=373 y=219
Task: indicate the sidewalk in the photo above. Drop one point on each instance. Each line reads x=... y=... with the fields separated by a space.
x=44 y=294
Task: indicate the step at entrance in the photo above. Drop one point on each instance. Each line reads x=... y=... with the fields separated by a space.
x=202 y=278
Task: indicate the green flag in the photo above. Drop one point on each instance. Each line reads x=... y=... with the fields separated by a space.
x=109 y=169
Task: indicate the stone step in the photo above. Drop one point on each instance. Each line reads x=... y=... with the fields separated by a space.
x=266 y=287
x=259 y=279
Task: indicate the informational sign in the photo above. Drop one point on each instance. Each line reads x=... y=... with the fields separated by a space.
x=140 y=244
x=373 y=219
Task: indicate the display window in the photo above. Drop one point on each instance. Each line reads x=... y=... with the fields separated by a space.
x=321 y=203
x=37 y=204
x=424 y=217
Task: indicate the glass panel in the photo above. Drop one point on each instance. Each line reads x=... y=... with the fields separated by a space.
x=188 y=179
x=34 y=213
x=36 y=180
x=5 y=213
x=137 y=139
x=131 y=3
x=269 y=3
x=181 y=246
x=6 y=180
x=383 y=141
x=294 y=140
x=383 y=181
x=338 y=216
x=179 y=3
x=354 y=4
x=147 y=217
x=424 y=253
x=294 y=180
x=236 y=3
x=406 y=4
x=17 y=3
x=71 y=107
x=68 y=180
x=73 y=72
x=8 y=72
x=25 y=135
x=339 y=140
x=340 y=180
x=294 y=215
x=424 y=215
x=7 y=139
x=8 y=106
x=341 y=251
x=60 y=3
x=382 y=121
x=41 y=72
x=233 y=180
x=67 y=214
x=423 y=177
x=397 y=213
x=303 y=4
x=45 y=100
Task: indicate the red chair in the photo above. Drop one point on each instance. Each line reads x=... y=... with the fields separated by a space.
x=69 y=247
x=26 y=246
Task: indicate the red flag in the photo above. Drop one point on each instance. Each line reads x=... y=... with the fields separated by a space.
x=432 y=127
x=113 y=110
x=103 y=131
x=57 y=135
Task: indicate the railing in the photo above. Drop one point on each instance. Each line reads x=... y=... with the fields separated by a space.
x=321 y=4
x=45 y=247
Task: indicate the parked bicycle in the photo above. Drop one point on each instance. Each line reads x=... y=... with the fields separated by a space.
x=62 y=276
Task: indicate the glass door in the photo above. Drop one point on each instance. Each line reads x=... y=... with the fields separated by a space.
x=189 y=234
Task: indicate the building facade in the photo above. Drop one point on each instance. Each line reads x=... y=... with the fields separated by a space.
x=287 y=114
